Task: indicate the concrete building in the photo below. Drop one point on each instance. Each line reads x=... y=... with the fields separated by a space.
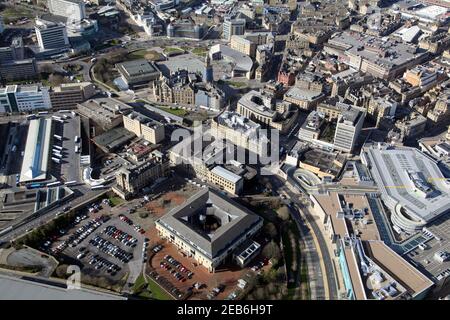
x=226 y=180
x=72 y=9
x=208 y=227
x=348 y=128
x=370 y=269
x=37 y=149
x=51 y=35
x=12 y=70
x=24 y=98
x=311 y=128
x=104 y=113
x=242 y=64
x=240 y=131
x=261 y=108
x=382 y=59
x=145 y=127
x=138 y=73
x=186 y=29
x=412 y=186
x=243 y=45
x=305 y=99
x=68 y=95
x=233 y=27
x=131 y=180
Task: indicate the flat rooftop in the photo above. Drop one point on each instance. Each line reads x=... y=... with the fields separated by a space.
x=37 y=148
x=113 y=138
x=393 y=170
x=235 y=221
x=137 y=67
x=12 y=288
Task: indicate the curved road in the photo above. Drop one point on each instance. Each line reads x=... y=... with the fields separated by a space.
x=327 y=261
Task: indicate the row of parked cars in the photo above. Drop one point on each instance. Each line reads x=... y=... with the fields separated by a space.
x=176 y=264
x=84 y=231
x=166 y=284
x=111 y=249
x=127 y=220
x=100 y=262
x=120 y=235
x=164 y=265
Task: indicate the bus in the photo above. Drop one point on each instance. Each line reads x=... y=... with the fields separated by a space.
x=98 y=187
x=64 y=111
x=76 y=139
x=57 y=137
x=53 y=184
x=57 y=147
x=77 y=149
x=56 y=160
x=34 y=185
x=56 y=117
x=57 y=154
x=43 y=112
x=70 y=183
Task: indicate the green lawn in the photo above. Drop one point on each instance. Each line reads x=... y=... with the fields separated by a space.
x=140 y=282
x=12 y=13
x=237 y=84
x=115 y=201
x=157 y=291
x=169 y=50
x=178 y=112
x=200 y=51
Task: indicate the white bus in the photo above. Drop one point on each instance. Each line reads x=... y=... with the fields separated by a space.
x=76 y=139
x=64 y=111
x=98 y=187
x=43 y=112
x=56 y=117
x=70 y=183
x=57 y=147
x=77 y=149
x=57 y=137
x=53 y=184
x=56 y=160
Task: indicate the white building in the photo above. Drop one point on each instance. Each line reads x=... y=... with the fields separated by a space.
x=348 y=128
x=72 y=9
x=16 y=98
x=51 y=35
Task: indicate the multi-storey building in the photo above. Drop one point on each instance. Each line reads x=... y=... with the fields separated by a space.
x=131 y=180
x=348 y=128
x=233 y=27
x=138 y=73
x=142 y=126
x=18 y=70
x=51 y=35
x=68 y=95
x=17 y=98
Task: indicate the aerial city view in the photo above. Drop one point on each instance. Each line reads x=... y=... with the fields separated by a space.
x=224 y=150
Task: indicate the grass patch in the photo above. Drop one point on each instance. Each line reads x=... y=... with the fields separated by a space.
x=175 y=111
x=202 y=52
x=29 y=269
x=157 y=291
x=115 y=201
x=172 y=50
x=237 y=84
x=11 y=14
x=140 y=283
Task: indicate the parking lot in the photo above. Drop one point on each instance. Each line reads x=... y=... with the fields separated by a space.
x=174 y=274
x=105 y=245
